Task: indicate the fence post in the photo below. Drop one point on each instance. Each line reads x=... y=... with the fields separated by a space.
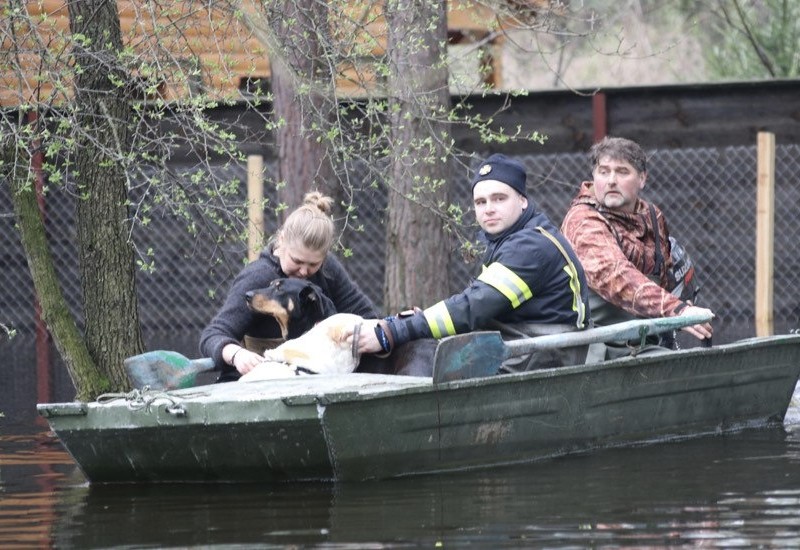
x=599 y=117
x=255 y=212
x=765 y=233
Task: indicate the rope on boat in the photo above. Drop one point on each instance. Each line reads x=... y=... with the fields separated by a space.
x=145 y=399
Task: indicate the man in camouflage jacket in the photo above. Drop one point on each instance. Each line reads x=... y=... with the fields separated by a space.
x=623 y=241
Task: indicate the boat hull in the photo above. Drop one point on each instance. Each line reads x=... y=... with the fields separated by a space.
x=363 y=426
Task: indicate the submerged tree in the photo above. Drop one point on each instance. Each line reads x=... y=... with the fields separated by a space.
x=102 y=109
x=15 y=172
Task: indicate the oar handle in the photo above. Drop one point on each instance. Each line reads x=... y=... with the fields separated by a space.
x=628 y=330
x=203 y=364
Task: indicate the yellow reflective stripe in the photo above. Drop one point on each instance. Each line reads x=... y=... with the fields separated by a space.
x=507 y=282
x=574 y=282
x=577 y=303
x=439 y=320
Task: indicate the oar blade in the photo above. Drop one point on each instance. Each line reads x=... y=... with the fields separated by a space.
x=470 y=355
x=164 y=370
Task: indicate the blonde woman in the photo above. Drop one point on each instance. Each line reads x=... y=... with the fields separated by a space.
x=300 y=248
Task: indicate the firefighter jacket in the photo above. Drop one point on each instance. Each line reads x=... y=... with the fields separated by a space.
x=618 y=252
x=530 y=275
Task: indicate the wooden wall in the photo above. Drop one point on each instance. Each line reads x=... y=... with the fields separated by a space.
x=679 y=116
x=178 y=36
x=675 y=116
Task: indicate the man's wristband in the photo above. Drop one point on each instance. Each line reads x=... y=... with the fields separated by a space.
x=233 y=357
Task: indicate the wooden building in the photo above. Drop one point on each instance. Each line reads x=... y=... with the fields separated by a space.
x=179 y=48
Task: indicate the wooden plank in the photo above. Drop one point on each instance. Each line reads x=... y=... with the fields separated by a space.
x=465 y=16
x=30 y=88
x=765 y=233
x=699 y=115
x=41 y=7
x=255 y=213
x=241 y=64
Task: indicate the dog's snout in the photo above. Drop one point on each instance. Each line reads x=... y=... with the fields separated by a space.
x=249 y=296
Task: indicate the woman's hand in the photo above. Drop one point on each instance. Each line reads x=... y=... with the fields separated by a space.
x=243 y=359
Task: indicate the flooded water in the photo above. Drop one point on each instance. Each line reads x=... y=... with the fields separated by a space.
x=740 y=490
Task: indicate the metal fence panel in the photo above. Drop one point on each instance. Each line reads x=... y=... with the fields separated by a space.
x=707 y=194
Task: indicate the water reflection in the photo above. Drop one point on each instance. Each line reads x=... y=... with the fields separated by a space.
x=733 y=490
x=31 y=466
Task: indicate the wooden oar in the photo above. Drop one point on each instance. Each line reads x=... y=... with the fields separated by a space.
x=477 y=354
x=165 y=370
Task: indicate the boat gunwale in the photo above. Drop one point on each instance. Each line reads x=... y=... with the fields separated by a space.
x=355 y=391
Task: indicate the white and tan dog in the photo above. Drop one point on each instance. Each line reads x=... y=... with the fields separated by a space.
x=322 y=350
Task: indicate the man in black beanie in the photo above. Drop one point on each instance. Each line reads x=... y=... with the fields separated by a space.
x=530 y=279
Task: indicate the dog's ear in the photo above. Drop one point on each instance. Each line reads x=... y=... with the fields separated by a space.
x=311 y=303
x=316 y=303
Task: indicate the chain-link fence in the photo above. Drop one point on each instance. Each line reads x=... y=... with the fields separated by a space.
x=708 y=195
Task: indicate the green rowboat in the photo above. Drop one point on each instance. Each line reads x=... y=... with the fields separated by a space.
x=365 y=426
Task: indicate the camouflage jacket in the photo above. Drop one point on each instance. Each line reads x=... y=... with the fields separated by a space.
x=617 y=250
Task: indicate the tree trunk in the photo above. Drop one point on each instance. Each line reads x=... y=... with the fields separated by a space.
x=304 y=152
x=87 y=378
x=108 y=270
x=417 y=271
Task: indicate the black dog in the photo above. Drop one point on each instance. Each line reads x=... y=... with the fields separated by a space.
x=296 y=304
